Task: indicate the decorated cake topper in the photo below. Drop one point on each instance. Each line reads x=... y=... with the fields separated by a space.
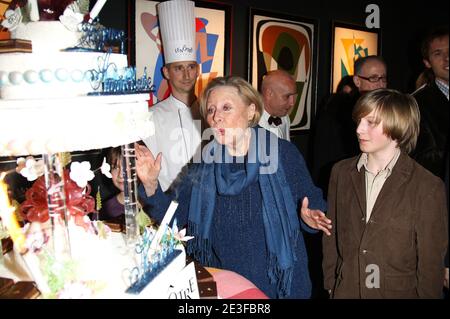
x=97 y=38
x=113 y=80
x=156 y=250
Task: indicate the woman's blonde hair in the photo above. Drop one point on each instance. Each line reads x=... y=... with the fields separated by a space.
x=398 y=112
x=247 y=93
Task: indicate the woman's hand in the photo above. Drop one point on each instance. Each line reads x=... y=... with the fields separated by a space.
x=147 y=168
x=315 y=218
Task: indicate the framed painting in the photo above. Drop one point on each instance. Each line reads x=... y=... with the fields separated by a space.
x=213 y=43
x=351 y=42
x=280 y=41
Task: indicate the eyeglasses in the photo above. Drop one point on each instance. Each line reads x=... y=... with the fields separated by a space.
x=373 y=78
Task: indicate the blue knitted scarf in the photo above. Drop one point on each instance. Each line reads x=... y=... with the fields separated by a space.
x=279 y=211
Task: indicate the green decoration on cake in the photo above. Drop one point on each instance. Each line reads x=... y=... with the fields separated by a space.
x=65 y=158
x=83 y=5
x=143 y=220
x=98 y=200
x=57 y=273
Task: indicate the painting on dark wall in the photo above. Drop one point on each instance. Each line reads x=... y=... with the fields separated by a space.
x=213 y=43
x=351 y=42
x=280 y=41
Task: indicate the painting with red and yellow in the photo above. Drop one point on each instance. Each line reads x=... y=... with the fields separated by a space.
x=349 y=44
x=287 y=43
x=210 y=43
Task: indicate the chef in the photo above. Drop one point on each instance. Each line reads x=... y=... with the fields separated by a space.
x=177 y=118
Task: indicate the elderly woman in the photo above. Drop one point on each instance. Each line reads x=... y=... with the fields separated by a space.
x=241 y=202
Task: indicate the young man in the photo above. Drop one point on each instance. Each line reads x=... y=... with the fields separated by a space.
x=177 y=118
x=433 y=104
x=390 y=214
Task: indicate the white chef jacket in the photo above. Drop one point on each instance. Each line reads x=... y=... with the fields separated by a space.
x=177 y=137
x=282 y=130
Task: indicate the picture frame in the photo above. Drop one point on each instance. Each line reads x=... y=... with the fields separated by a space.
x=349 y=43
x=213 y=44
x=282 y=41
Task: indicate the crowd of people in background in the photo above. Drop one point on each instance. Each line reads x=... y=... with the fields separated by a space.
x=385 y=234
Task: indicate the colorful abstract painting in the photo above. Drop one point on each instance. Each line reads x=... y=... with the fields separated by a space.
x=288 y=43
x=210 y=26
x=350 y=44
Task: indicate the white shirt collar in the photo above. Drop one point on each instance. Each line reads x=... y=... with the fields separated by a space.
x=362 y=161
x=177 y=103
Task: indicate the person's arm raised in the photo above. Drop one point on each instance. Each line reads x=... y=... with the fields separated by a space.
x=147 y=168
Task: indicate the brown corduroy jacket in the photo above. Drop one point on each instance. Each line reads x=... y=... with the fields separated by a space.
x=399 y=252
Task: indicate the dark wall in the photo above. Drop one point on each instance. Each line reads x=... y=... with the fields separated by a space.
x=403 y=24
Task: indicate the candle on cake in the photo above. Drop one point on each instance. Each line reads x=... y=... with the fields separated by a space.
x=7 y=213
x=96 y=9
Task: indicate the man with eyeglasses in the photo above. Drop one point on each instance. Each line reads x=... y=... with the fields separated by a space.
x=370 y=74
x=177 y=118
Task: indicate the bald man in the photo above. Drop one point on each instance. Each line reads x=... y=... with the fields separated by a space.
x=279 y=92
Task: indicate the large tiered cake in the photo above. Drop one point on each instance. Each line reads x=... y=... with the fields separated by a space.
x=58 y=83
x=45 y=108
x=100 y=267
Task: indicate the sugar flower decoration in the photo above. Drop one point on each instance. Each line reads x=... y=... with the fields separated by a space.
x=72 y=17
x=21 y=161
x=106 y=169
x=12 y=19
x=32 y=170
x=81 y=173
x=180 y=235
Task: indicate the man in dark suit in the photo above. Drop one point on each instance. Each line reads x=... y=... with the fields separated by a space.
x=433 y=104
x=446 y=280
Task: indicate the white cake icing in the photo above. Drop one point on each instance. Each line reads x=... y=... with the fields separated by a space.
x=53 y=74
x=65 y=125
x=48 y=72
x=43 y=97
x=46 y=36
x=107 y=262
x=44 y=109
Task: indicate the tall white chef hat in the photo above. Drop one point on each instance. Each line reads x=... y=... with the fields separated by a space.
x=177 y=28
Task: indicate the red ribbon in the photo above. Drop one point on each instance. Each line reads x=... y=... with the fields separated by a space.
x=79 y=204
